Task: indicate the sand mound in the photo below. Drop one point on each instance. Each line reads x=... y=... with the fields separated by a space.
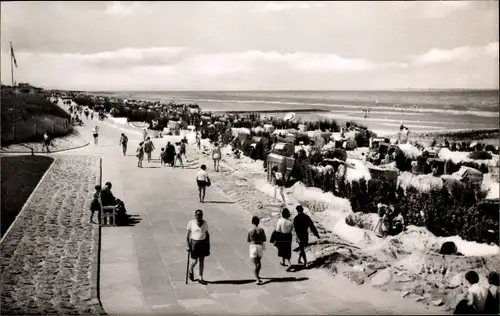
x=424 y=183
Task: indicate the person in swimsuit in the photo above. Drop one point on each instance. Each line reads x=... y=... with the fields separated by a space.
x=216 y=156
x=302 y=223
x=257 y=238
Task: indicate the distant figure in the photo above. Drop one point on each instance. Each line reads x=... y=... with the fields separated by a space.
x=279 y=182
x=178 y=155
x=163 y=157
x=203 y=181
x=140 y=154
x=123 y=143
x=92 y=115
x=170 y=153
x=216 y=156
x=47 y=141
x=302 y=223
x=257 y=238
x=198 y=140
x=149 y=147
x=95 y=133
x=198 y=243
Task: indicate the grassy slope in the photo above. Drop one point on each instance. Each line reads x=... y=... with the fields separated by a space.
x=20 y=175
x=30 y=109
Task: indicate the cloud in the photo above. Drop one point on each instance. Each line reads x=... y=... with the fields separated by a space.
x=188 y=68
x=458 y=54
x=286 y=6
x=118 y=8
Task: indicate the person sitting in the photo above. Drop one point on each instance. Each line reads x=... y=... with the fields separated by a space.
x=108 y=201
x=477 y=293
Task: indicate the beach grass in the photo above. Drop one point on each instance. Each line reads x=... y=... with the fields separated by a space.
x=20 y=176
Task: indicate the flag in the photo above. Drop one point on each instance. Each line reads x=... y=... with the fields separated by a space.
x=12 y=54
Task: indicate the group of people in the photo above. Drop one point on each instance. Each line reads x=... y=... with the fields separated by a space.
x=481 y=298
x=198 y=241
x=108 y=202
x=173 y=153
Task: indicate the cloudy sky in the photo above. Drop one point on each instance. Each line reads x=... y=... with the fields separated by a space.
x=252 y=45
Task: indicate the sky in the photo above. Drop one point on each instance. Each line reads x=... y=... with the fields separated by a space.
x=312 y=45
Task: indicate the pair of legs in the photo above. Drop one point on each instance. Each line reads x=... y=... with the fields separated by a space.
x=201 y=192
x=302 y=253
x=92 y=216
x=257 y=266
x=139 y=162
x=281 y=190
x=178 y=158
x=149 y=156
x=201 y=267
x=124 y=147
x=216 y=164
x=96 y=139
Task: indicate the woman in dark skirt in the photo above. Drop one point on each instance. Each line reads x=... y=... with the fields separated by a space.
x=283 y=242
x=198 y=243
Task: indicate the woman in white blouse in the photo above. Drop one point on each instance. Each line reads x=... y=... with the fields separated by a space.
x=283 y=242
x=198 y=243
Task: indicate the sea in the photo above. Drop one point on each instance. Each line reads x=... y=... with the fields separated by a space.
x=381 y=111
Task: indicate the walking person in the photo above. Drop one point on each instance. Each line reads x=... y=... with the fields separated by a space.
x=279 y=183
x=163 y=157
x=140 y=154
x=203 y=182
x=183 y=148
x=144 y=134
x=198 y=244
x=302 y=223
x=178 y=155
x=92 y=115
x=47 y=141
x=257 y=238
x=149 y=147
x=123 y=142
x=283 y=241
x=198 y=140
x=216 y=156
x=170 y=153
x=95 y=133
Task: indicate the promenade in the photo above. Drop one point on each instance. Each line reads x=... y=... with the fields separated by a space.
x=143 y=266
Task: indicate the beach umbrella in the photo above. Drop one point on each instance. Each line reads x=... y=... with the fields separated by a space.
x=289 y=117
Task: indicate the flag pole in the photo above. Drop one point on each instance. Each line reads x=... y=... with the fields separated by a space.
x=11 y=65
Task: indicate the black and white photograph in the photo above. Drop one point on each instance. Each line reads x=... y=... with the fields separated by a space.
x=314 y=157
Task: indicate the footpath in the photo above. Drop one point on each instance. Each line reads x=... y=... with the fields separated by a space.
x=143 y=266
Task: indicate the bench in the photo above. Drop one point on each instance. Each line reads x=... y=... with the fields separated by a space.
x=108 y=215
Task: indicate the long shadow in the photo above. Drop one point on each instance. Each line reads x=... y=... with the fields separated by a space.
x=152 y=167
x=266 y=281
x=220 y=202
x=128 y=220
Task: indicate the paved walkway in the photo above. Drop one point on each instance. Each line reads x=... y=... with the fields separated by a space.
x=143 y=266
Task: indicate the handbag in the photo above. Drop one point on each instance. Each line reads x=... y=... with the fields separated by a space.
x=208 y=182
x=274 y=237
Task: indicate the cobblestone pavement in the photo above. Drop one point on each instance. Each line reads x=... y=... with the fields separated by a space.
x=49 y=256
